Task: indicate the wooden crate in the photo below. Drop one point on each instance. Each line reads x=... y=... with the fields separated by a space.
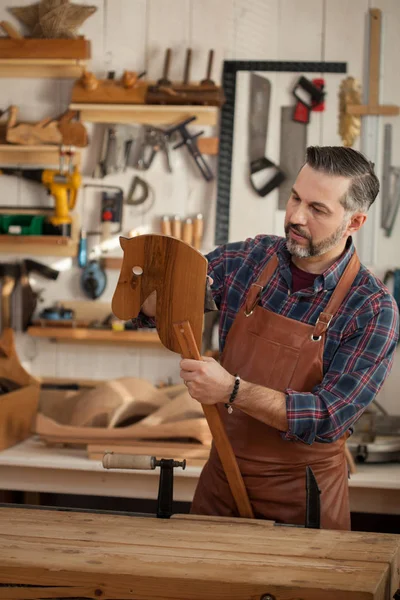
x=51 y=554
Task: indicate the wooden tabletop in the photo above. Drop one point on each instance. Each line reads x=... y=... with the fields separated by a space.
x=53 y=554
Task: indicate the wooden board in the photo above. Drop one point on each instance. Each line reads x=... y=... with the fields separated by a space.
x=49 y=554
x=109 y=91
x=99 y=336
x=44 y=245
x=32 y=48
x=51 y=68
x=52 y=432
x=44 y=156
x=152 y=115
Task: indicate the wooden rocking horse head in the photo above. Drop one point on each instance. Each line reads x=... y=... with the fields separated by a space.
x=178 y=274
x=172 y=268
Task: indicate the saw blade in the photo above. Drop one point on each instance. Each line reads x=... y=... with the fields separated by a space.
x=260 y=92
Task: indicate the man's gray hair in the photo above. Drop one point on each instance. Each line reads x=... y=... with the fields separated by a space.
x=347 y=162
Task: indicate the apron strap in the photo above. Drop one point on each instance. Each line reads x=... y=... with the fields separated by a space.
x=255 y=291
x=341 y=291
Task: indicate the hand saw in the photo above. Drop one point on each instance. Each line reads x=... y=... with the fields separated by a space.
x=260 y=92
x=178 y=273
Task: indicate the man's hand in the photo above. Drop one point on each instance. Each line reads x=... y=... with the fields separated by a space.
x=206 y=380
x=149 y=305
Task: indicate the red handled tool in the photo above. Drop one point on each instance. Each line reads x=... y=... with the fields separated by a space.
x=310 y=96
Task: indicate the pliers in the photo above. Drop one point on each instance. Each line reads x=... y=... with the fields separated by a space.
x=153 y=140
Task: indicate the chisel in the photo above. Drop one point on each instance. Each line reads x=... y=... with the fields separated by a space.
x=198 y=228
x=188 y=231
x=177 y=227
x=166 y=225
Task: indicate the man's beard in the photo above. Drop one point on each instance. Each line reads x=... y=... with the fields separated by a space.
x=313 y=249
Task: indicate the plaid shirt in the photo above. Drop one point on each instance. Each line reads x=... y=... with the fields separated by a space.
x=360 y=341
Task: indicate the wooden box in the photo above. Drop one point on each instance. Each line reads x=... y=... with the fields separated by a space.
x=32 y=48
x=53 y=554
x=18 y=408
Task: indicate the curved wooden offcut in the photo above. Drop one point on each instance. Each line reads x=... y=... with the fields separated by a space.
x=52 y=432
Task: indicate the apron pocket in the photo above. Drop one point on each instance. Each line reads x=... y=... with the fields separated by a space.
x=272 y=365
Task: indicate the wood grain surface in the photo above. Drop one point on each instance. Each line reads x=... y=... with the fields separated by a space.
x=51 y=554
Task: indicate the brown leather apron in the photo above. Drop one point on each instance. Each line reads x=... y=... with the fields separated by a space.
x=279 y=353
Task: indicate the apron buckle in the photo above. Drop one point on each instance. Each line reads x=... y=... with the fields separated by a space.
x=247 y=313
x=321 y=326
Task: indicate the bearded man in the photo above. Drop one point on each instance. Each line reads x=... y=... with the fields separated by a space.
x=307 y=338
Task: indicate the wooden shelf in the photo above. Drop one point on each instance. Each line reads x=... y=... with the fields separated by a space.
x=145 y=113
x=20 y=156
x=112 y=262
x=49 y=68
x=43 y=245
x=96 y=336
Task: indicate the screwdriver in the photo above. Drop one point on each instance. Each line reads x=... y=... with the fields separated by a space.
x=82 y=251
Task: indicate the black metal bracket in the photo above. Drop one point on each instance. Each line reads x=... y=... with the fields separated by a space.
x=166 y=486
x=230 y=70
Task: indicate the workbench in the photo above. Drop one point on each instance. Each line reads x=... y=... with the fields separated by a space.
x=33 y=467
x=53 y=554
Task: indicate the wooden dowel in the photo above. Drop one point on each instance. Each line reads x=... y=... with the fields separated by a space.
x=189 y=348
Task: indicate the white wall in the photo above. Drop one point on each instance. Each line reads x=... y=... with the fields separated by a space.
x=133 y=34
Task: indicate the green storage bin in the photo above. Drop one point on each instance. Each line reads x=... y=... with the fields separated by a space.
x=22 y=224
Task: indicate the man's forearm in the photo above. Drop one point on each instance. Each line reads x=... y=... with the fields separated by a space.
x=264 y=404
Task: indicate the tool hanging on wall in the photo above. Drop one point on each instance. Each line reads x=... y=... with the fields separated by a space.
x=93 y=280
x=292 y=152
x=111 y=209
x=390 y=185
x=16 y=275
x=155 y=139
x=310 y=96
x=111 y=212
x=349 y=125
x=93 y=277
x=189 y=140
x=260 y=166
x=206 y=92
x=151 y=141
x=107 y=164
x=140 y=194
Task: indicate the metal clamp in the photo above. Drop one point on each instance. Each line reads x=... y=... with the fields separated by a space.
x=154 y=140
x=113 y=460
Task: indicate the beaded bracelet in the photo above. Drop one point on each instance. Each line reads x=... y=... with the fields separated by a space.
x=228 y=405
